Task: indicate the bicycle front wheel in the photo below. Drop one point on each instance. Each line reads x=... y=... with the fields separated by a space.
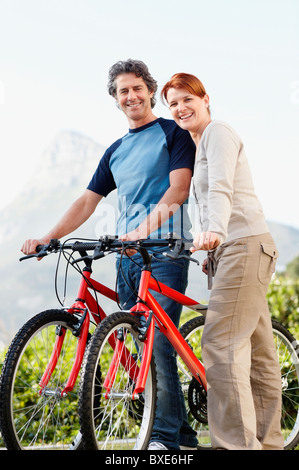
x=112 y=420
x=32 y=417
x=287 y=352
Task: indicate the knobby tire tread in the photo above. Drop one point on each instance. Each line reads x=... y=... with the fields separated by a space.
x=14 y=351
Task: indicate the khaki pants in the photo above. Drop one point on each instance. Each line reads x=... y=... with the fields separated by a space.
x=244 y=381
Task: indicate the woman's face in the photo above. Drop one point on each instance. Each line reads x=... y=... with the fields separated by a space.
x=189 y=111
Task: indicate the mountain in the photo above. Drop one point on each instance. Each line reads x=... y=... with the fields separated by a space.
x=63 y=173
x=287 y=241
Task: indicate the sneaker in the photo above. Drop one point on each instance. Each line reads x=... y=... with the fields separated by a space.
x=156 y=446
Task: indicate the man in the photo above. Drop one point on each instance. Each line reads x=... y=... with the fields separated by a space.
x=151 y=167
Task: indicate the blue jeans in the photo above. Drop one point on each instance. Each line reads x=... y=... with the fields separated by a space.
x=171 y=426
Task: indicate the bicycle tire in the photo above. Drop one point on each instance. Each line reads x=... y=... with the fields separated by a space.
x=196 y=404
x=287 y=350
x=29 y=419
x=286 y=347
x=116 y=422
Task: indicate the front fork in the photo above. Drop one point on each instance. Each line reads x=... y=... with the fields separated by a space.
x=81 y=330
x=146 y=335
x=123 y=356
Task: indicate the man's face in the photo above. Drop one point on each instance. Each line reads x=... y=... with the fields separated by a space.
x=134 y=99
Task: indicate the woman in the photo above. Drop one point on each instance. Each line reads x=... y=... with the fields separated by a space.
x=244 y=384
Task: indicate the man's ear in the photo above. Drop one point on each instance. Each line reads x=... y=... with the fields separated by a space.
x=116 y=102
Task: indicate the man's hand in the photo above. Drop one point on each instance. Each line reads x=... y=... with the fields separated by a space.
x=29 y=246
x=131 y=236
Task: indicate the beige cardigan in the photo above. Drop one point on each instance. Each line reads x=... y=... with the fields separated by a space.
x=223 y=186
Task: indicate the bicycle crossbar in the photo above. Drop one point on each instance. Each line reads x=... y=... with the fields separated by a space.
x=111 y=294
x=173 y=294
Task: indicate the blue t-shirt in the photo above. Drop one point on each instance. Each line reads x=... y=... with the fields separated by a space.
x=138 y=166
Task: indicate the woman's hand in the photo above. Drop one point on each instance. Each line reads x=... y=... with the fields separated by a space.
x=205 y=241
x=204 y=266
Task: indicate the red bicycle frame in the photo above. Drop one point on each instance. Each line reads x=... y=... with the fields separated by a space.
x=87 y=305
x=146 y=305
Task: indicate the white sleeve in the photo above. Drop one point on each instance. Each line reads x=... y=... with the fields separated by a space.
x=222 y=151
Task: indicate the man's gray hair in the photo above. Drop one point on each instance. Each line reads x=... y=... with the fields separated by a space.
x=132 y=66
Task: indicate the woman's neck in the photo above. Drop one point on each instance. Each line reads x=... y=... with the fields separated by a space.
x=197 y=135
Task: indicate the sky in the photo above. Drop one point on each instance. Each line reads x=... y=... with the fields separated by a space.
x=54 y=62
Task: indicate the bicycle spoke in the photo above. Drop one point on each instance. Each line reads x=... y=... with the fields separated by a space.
x=40 y=417
x=110 y=418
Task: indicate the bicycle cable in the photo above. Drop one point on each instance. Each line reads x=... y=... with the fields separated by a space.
x=120 y=268
x=68 y=257
x=134 y=292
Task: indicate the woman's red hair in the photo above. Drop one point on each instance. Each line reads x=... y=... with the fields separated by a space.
x=187 y=81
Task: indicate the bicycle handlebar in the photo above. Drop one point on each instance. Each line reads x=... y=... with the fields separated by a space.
x=111 y=243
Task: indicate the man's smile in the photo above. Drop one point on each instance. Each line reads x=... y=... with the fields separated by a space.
x=134 y=105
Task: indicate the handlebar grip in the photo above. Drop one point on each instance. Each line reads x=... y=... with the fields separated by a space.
x=38 y=249
x=84 y=246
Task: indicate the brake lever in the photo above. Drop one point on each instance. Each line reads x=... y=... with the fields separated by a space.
x=176 y=253
x=41 y=254
x=169 y=255
x=98 y=252
x=43 y=250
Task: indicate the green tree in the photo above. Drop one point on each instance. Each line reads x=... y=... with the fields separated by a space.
x=283 y=300
x=292 y=269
